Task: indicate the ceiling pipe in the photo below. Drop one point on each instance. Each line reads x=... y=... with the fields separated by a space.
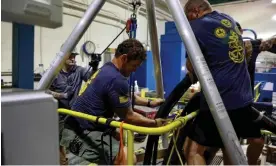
x=83 y=7
x=159 y=10
x=233 y=3
x=95 y=20
x=125 y=5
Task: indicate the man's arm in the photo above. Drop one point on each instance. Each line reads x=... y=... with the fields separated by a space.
x=52 y=90
x=120 y=103
x=134 y=118
x=86 y=74
x=190 y=70
x=145 y=102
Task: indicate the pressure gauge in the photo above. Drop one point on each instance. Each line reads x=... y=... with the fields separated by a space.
x=88 y=47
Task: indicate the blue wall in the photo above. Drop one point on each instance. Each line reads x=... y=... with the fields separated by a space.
x=173 y=61
x=173 y=58
x=145 y=73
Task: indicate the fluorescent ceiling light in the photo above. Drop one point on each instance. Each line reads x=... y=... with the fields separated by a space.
x=273 y=1
x=274 y=17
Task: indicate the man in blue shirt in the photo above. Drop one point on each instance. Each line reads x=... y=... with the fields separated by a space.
x=106 y=93
x=65 y=88
x=222 y=46
x=252 y=50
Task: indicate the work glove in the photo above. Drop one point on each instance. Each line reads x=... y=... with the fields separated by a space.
x=160 y=122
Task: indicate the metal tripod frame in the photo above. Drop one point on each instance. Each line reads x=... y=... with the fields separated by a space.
x=202 y=71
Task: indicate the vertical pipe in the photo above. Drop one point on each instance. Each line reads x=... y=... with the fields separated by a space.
x=130 y=147
x=154 y=47
x=22 y=56
x=219 y=113
x=70 y=43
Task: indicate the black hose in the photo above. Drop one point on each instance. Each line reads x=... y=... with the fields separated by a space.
x=192 y=106
x=163 y=112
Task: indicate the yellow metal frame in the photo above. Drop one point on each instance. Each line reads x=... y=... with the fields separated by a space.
x=179 y=122
x=257 y=92
x=265 y=132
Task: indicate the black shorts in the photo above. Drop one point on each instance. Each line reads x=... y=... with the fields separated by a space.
x=204 y=130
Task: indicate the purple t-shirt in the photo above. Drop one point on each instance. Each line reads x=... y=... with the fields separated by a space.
x=106 y=89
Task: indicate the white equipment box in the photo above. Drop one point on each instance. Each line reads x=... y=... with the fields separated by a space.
x=30 y=131
x=44 y=13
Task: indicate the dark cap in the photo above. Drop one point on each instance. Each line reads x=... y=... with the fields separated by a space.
x=74 y=51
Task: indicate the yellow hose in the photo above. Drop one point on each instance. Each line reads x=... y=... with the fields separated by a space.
x=142 y=130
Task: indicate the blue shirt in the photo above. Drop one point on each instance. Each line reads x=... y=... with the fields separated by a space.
x=107 y=89
x=222 y=46
x=69 y=83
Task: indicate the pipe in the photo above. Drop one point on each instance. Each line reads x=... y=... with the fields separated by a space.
x=158 y=10
x=125 y=5
x=83 y=9
x=40 y=45
x=70 y=44
x=252 y=31
x=218 y=111
x=155 y=48
x=85 y=5
x=233 y=3
x=95 y=20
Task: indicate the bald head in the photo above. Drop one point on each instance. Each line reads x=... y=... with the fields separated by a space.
x=197 y=8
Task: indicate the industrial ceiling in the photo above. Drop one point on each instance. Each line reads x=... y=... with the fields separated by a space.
x=217 y=2
x=220 y=1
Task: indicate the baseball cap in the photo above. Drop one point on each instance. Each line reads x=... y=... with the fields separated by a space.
x=74 y=51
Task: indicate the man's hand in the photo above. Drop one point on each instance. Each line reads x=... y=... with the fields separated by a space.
x=160 y=122
x=157 y=102
x=55 y=94
x=266 y=45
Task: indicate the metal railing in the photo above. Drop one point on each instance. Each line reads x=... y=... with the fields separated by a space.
x=179 y=122
x=257 y=92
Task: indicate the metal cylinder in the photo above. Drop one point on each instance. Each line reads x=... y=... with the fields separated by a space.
x=219 y=113
x=154 y=47
x=70 y=44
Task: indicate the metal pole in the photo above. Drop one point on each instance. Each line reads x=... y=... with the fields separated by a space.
x=155 y=48
x=70 y=43
x=224 y=125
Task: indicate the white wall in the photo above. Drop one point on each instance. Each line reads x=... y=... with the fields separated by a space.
x=49 y=41
x=255 y=15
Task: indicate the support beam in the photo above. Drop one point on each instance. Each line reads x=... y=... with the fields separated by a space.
x=22 y=56
x=150 y=4
x=70 y=43
x=219 y=113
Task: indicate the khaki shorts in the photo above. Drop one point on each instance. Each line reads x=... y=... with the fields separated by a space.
x=91 y=149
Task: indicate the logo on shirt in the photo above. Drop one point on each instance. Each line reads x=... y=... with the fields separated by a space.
x=220 y=32
x=236 y=53
x=226 y=23
x=123 y=99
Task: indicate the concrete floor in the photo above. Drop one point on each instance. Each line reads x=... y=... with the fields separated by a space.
x=75 y=160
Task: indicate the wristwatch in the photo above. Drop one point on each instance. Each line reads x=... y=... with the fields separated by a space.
x=149 y=100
